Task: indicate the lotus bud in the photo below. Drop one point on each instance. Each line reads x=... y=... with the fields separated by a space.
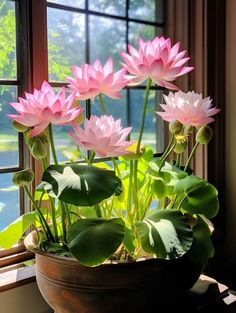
x=39 y=148
x=175 y=127
x=181 y=143
x=204 y=135
x=19 y=127
x=23 y=178
x=132 y=154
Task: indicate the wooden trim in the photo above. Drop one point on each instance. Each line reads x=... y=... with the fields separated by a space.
x=16 y=258
x=216 y=40
x=17 y=277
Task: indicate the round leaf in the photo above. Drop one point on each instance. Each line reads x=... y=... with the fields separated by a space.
x=203 y=200
x=92 y=241
x=166 y=234
x=202 y=248
x=80 y=184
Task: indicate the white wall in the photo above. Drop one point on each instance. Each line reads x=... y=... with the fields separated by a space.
x=24 y=299
x=231 y=130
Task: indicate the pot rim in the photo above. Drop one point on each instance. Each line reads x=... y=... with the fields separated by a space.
x=30 y=244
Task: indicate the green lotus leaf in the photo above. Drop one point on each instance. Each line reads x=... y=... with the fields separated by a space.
x=80 y=184
x=92 y=241
x=202 y=248
x=13 y=232
x=166 y=234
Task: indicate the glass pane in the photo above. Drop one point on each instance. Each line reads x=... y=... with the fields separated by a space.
x=7 y=40
x=154 y=126
x=65 y=147
x=9 y=200
x=73 y=3
x=115 y=107
x=143 y=10
x=66 y=42
x=107 y=38
x=8 y=136
x=147 y=32
x=115 y=7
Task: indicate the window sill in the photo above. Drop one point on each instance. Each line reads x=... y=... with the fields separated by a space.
x=17 y=277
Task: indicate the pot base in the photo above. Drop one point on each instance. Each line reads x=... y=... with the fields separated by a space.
x=135 y=287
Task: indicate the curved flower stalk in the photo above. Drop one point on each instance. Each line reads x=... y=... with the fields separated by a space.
x=188 y=108
x=44 y=107
x=92 y=80
x=103 y=135
x=156 y=60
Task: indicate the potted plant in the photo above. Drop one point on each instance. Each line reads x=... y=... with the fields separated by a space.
x=136 y=227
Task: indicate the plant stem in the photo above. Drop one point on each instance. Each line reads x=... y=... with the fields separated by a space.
x=44 y=164
x=54 y=220
x=144 y=114
x=43 y=222
x=98 y=210
x=116 y=168
x=168 y=147
x=63 y=222
x=102 y=103
x=191 y=156
x=166 y=156
x=129 y=204
x=54 y=155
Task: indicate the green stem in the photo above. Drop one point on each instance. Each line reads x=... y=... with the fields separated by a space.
x=166 y=156
x=98 y=211
x=63 y=221
x=116 y=168
x=102 y=103
x=44 y=163
x=191 y=156
x=91 y=157
x=68 y=215
x=178 y=160
x=168 y=147
x=144 y=114
x=135 y=189
x=54 y=219
x=43 y=222
x=129 y=204
x=54 y=155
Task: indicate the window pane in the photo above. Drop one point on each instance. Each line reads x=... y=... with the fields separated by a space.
x=107 y=38
x=115 y=7
x=7 y=40
x=73 y=3
x=65 y=147
x=116 y=108
x=9 y=200
x=154 y=127
x=143 y=10
x=66 y=42
x=8 y=136
x=147 y=32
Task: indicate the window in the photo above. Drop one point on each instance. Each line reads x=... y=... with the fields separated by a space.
x=81 y=31
x=48 y=37
x=11 y=84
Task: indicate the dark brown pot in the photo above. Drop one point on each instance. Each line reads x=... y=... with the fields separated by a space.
x=137 y=287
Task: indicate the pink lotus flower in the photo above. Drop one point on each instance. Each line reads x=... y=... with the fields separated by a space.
x=43 y=107
x=156 y=60
x=188 y=108
x=102 y=134
x=91 y=80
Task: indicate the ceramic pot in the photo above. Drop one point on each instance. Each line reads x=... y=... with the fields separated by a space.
x=136 y=287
